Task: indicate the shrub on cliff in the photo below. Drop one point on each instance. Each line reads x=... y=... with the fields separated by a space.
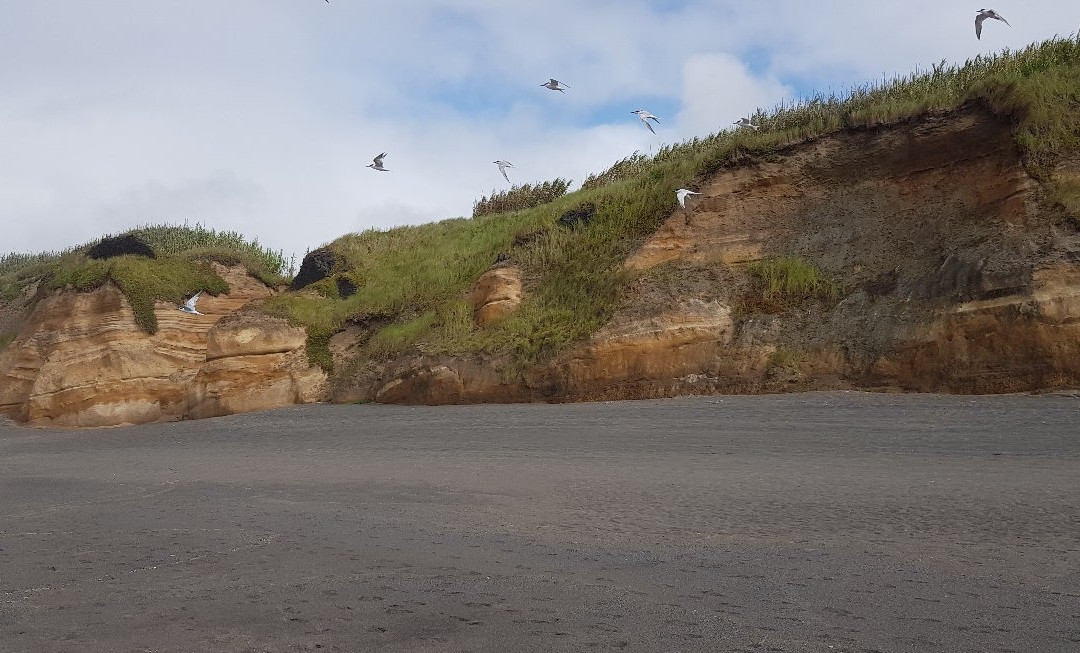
x=317 y=265
x=521 y=197
x=127 y=244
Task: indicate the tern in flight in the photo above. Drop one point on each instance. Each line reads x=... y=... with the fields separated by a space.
x=378 y=163
x=744 y=123
x=503 y=165
x=556 y=85
x=682 y=194
x=982 y=15
x=645 y=117
x=189 y=306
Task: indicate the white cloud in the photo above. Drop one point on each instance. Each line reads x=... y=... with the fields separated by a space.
x=261 y=115
x=718 y=89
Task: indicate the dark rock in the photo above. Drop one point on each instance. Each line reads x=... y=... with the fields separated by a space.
x=580 y=216
x=317 y=265
x=964 y=278
x=121 y=245
x=345 y=287
x=883 y=284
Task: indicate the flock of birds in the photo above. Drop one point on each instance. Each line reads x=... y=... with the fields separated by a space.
x=981 y=16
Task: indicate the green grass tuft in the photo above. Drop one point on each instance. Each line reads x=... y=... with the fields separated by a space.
x=318 y=349
x=789 y=279
x=782 y=359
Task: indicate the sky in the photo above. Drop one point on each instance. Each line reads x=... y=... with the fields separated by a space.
x=260 y=116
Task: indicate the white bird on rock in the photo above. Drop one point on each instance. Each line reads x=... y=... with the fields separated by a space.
x=503 y=165
x=556 y=85
x=645 y=117
x=377 y=165
x=982 y=15
x=189 y=306
x=682 y=194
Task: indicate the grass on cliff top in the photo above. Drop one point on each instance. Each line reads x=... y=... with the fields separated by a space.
x=416 y=278
x=180 y=269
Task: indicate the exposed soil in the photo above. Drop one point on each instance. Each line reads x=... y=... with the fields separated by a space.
x=954 y=268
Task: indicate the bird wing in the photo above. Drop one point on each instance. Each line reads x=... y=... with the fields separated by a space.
x=191 y=302
x=1002 y=19
x=978 y=25
x=378 y=159
x=646 y=123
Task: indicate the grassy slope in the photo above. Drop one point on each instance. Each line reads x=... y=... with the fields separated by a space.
x=415 y=278
x=180 y=269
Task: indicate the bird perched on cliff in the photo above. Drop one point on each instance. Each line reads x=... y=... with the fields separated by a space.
x=682 y=194
x=982 y=15
x=556 y=85
x=189 y=306
x=744 y=123
x=377 y=165
x=503 y=165
x=645 y=117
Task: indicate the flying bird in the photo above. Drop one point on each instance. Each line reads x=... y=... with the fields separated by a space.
x=378 y=163
x=554 y=84
x=189 y=306
x=645 y=117
x=682 y=193
x=982 y=15
x=744 y=123
x=503 y=165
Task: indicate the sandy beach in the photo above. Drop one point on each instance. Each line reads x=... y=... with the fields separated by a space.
x=818 y=522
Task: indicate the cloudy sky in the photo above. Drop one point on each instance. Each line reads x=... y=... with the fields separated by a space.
x=261 y=115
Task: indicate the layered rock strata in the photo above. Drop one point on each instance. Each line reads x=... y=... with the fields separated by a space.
x=954 y=277
x=81 y=360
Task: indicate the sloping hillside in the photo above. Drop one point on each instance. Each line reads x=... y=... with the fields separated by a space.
x=921 y=235
x=837 y=232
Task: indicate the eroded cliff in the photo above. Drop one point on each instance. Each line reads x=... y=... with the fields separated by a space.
x=949 y=269
x=954 y=274
x=80 y=359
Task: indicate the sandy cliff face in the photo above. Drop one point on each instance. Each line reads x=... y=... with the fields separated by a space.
x=253 y=362
x=80 y=359
x=954 y=279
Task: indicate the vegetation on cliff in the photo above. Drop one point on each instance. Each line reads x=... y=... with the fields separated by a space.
x=411 y=281
x=408 y=285
x=182 y=267
x=521 y=197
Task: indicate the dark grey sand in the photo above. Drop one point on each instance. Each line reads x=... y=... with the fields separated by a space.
x=821 y=522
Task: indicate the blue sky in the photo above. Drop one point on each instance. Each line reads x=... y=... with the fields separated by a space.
x=261 y=115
